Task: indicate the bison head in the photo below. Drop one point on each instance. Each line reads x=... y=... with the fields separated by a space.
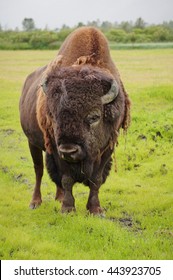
x=85 y=107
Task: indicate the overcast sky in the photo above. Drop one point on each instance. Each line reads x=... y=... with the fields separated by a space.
x=55 y=13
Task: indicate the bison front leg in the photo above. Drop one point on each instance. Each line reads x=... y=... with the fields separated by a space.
x=99 y=175
x=68 y=203
x=93 y=204
x=54 y=174
x=59 y=194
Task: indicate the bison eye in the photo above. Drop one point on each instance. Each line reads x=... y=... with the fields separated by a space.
x=93 y=118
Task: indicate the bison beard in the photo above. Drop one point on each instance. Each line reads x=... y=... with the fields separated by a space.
x=73 y=109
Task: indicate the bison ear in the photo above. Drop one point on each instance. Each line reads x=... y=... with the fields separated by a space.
x=44 y=121
x=44 y=86
x=127 y=118
x=52 y=66
x=111 y=110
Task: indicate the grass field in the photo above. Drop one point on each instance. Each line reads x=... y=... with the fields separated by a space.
x=138 y=198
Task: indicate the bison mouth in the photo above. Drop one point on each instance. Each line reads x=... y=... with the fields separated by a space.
x=72 y=153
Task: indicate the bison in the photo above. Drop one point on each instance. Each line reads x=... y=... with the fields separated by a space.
x=73 y=109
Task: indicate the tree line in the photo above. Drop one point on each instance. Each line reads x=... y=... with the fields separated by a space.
x=125 y=32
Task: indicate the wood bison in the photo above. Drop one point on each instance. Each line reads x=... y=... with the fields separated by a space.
x=73 y=109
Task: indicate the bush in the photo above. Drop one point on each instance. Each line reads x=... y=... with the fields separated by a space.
x=117 y=35
x=44 y=39
x=161 y=35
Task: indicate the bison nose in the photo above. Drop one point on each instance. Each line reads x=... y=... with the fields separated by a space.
x=70 y=152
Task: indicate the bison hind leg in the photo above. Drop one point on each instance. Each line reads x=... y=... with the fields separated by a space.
x=37 y=158
x=55 y=176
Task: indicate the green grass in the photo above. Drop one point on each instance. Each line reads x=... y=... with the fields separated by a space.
x=137 y=46
x=138 y=198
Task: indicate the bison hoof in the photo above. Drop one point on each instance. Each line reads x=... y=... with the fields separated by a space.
x=35 y=204
x=68 y=209
x=96 y=211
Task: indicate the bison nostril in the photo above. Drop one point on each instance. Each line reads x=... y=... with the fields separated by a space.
x=70 y=152
x=67 y=149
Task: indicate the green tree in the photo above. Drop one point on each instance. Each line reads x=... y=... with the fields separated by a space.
x=95 y=23
x=80 y=24
x=140 y=23
x=28 y=24
x=126 y=26
x=65 y=27
x=106 y=25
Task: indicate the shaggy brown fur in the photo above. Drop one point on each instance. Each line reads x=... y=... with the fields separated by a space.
x=61 y=112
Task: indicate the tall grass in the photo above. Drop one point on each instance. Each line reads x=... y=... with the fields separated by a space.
x=138 y=199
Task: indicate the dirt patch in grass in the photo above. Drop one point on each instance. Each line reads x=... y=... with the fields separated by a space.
x=7 y=132
x=128 y=222
x=16 y=177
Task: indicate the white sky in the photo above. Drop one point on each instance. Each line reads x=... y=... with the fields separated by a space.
x=55 y=13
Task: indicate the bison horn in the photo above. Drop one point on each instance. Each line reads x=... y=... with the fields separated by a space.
x=112 y=93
